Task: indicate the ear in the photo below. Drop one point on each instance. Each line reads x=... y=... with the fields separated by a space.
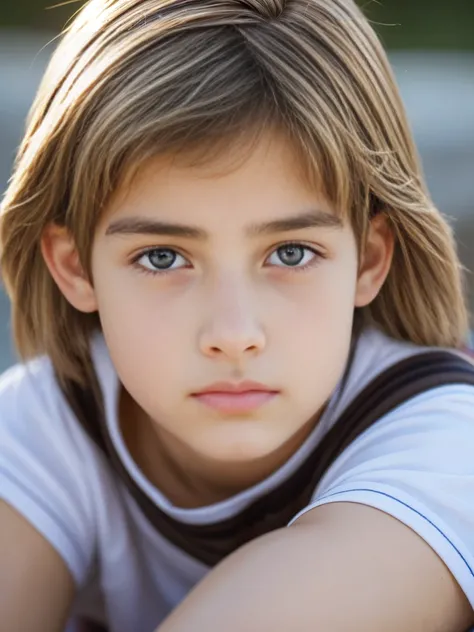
x=62 y=259
x=376 y=258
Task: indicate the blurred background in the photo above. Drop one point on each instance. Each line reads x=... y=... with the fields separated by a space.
x=431 y=46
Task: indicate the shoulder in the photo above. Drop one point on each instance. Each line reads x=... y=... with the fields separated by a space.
x=34 y=379
x=47 y=462
x=431 y=432
x=434 y=429
x=33 y=409
x=28 y=394
x=375 y=353
x=415 y=463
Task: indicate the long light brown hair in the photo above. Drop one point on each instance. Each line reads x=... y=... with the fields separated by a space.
x=133 y=78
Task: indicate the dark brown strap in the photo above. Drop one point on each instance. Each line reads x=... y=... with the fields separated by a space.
x=211 y=543
x=85 y=625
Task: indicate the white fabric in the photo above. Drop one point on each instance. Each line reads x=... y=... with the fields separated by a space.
x=416 y=463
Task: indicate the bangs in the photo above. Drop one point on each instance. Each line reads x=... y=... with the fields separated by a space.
x=220 y=95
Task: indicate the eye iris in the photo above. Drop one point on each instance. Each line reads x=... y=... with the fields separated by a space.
x=162 y=258
x=291 y=255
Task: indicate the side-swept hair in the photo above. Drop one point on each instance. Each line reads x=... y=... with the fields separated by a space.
x=134 y=78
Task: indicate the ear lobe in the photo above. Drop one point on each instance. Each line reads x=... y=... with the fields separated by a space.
x=62 y=259
x=376 y=259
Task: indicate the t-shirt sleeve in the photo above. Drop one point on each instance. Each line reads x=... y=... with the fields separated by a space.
x=417 y=464
x=44 y=464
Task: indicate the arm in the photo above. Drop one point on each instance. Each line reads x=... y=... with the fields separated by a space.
x=340 y=566
x=36 y=588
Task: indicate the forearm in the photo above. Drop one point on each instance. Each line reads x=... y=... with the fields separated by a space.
x=241 y=594
x=329 y=579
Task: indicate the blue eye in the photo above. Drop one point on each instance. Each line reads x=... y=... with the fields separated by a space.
x=293 y=256
x=160 y=260
x=290 y=256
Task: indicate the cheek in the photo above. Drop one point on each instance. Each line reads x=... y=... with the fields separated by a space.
x=322 y=325
x=144 y=328
x=321 y=336
x=327 y=300
x=148 y=348
x=144 y=325
x=130 y=301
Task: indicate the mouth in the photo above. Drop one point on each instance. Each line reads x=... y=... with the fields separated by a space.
x=228 y=398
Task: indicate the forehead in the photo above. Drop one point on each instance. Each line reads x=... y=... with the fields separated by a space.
x=243 y=181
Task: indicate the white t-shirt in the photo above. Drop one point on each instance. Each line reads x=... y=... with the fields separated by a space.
x=416 y=463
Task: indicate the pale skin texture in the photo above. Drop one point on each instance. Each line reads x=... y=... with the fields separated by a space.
x=230 y=309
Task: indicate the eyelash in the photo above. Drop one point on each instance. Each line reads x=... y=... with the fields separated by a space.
x=318 y=256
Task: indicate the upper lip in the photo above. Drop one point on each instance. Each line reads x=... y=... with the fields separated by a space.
x=235 y=387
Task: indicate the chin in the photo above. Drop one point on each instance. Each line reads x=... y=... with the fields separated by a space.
x=244 y=446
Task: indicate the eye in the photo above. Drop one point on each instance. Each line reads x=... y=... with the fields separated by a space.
x=160 y=260
x=293 y=256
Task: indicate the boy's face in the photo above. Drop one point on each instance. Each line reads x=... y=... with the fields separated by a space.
x=230 y=272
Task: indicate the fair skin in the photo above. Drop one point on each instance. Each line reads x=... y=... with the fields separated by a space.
x=236 y=306
x=228 y=308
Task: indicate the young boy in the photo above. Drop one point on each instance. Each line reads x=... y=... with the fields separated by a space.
x=242 y=405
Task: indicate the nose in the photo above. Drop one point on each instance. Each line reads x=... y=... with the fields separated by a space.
x=232 y=330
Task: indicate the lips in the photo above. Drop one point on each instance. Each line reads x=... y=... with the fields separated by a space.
x=232 y=398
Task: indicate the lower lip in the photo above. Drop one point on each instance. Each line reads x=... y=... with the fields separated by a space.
x=236 y=402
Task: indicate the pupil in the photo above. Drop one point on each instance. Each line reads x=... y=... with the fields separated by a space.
x=291 y=255
x=162 y=258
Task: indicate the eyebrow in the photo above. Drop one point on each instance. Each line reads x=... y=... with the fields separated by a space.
x=145 y=226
